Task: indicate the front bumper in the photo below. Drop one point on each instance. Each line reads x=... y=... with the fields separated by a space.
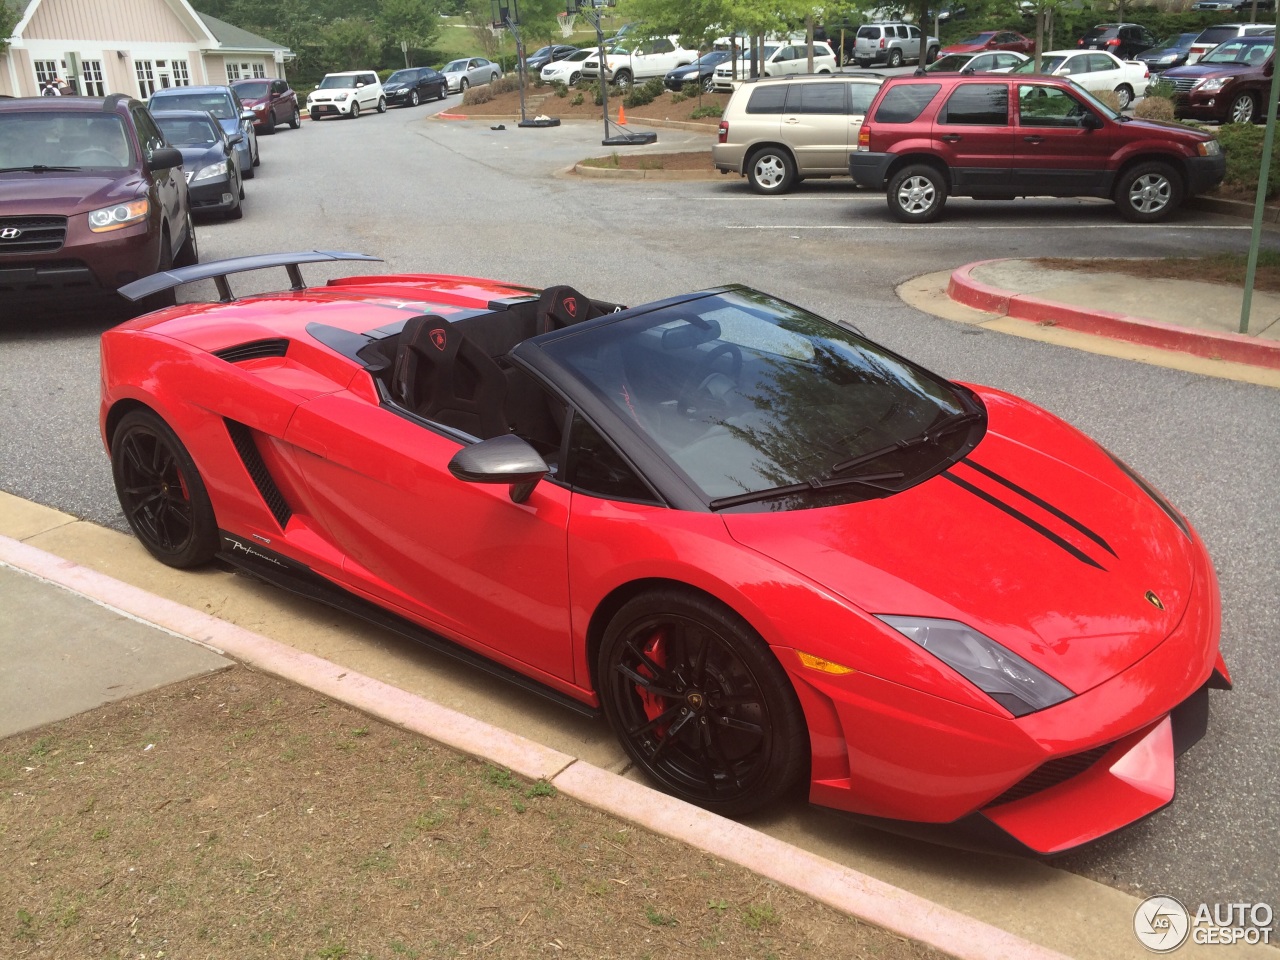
x=87 y=264
x=1047 y=782
x=215 y=195
x=1205 y=173
x=330 y=108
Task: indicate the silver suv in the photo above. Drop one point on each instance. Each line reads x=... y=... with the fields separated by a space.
x=779 y=130
x=892 y=44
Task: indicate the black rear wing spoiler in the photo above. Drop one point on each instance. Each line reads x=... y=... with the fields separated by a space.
x=219 y=270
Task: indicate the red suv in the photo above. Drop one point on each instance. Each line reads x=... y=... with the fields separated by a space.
x=996 y=138
x=91 y=198
x=273 y=102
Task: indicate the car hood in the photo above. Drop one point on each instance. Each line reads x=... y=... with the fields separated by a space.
x=1055 y=562
x=193 y=158
x=251 y=102
x=1202 y=71
x=964 y=48
x=65 y=193
x=1167 y=127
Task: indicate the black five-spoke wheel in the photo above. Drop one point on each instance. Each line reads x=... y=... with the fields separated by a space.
x=700 y=703
x=161 y=492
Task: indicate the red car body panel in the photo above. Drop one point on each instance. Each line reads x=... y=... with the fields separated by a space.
x=1013 y=41
x=1062 y=581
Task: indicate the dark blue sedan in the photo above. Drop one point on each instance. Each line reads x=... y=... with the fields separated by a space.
x=700 y=71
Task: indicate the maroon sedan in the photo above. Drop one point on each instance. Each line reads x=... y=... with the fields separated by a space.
x=993 y=40
x=272 y=102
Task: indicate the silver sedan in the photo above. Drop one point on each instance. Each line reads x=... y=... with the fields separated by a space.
x=470 y=72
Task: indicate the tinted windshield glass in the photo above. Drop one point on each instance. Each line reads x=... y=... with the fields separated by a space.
x=951 y=63
x=744 y=393
x=1047 y=65
x=64 y=140
x=1247 y=50
x=712 y=58
x=403 y=76
x=181 y=132
x=219 y=104
x=338 y=83
x=252 y=90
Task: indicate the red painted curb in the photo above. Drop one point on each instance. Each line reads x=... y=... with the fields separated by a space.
x=452 y=116
x=1234 y=347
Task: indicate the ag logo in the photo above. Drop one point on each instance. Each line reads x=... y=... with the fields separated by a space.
x=1161 y=924
x=10 y=233
x=437 y=338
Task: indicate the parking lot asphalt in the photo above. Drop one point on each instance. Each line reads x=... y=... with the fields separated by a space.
x=1043 y=905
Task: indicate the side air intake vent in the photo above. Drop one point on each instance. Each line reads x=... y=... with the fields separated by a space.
x=254 y=350
x=242 y=437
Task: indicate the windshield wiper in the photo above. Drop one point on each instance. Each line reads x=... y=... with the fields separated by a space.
x=808 y=486
x=933 y=435
x=34 y=168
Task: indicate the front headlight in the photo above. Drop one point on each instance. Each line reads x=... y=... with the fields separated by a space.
x=1210 y=148
x=1001 y=674
x=121 y=215
x=209 y=172
x=1213 y=84
x=1168 y=58
x=342 y=96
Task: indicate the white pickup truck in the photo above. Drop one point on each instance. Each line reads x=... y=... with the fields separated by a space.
x=1095 y=70
x=639 y=61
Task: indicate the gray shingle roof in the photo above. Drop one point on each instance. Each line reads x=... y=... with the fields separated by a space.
x=235 y=38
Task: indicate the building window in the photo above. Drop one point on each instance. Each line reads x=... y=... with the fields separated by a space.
x=181 y=77
x=259 y=71
x=92 y=77
x=146 y=78
x=233 y=71
x=46 y=72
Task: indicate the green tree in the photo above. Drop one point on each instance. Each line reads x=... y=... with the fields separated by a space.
x=415 y=22
x=8 y=20
x=350 y=43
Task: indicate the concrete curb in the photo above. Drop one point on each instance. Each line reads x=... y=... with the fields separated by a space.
x=1232 y=208
x=638 y=121
x=849 y=891
x=604 y=173
x=1233 y=347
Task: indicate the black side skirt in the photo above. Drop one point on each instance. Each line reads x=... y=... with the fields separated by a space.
x=270 y=566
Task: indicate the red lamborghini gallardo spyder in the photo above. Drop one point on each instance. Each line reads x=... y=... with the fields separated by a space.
x=770 y=551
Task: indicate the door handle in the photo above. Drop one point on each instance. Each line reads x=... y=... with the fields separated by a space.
x=1034 y=139
x=792 y=120
x=951 y=138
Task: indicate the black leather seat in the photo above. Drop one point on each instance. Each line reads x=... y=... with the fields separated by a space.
x=441 y=375
x=562 y=306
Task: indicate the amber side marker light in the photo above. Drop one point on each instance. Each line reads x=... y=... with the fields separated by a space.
x=823 y=666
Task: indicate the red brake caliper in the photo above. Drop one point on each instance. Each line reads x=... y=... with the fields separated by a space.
x=654 y=706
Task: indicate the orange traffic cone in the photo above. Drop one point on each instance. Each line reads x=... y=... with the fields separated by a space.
x=622 y=116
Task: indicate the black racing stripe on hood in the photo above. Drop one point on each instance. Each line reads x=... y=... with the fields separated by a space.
x=1022 y=491
x=1023 y=518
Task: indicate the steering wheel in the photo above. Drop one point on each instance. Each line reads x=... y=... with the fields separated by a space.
x=706 y=389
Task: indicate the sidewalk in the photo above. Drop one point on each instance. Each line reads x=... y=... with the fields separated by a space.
x=1184 y=324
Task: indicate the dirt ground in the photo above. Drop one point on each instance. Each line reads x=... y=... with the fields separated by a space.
x=238 y=815
x=1227 y=268
x=542 y=101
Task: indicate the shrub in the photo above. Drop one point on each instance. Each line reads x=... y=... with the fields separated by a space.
x=1154 y=108
x=678 y=98
x=577 y=100
x=506 y=83
x=561 y=88
x=1242 y=144
x=707 y=110
x=474 y=95
x=691 y=89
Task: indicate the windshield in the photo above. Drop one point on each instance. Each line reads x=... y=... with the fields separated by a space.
x=743 y=394
x=711 y=59
x=253 y=89
x=951 y=63
x=75 y=140
x=454 y=66
x=332 y=82
x=1047 y=65
x=219 y=104
x=1252 y=51
x=181 y=132
x=403 y=76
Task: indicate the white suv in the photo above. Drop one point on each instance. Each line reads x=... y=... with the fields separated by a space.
x=647 y=58
x=346 y=94
x=779 y=60
x=891 y=44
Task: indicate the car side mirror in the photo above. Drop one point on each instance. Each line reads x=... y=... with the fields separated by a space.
x=246 y=114
x=359 y=84
x=1091 y=121
x=504 y=459
x=164 y=158
x=235 y=138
